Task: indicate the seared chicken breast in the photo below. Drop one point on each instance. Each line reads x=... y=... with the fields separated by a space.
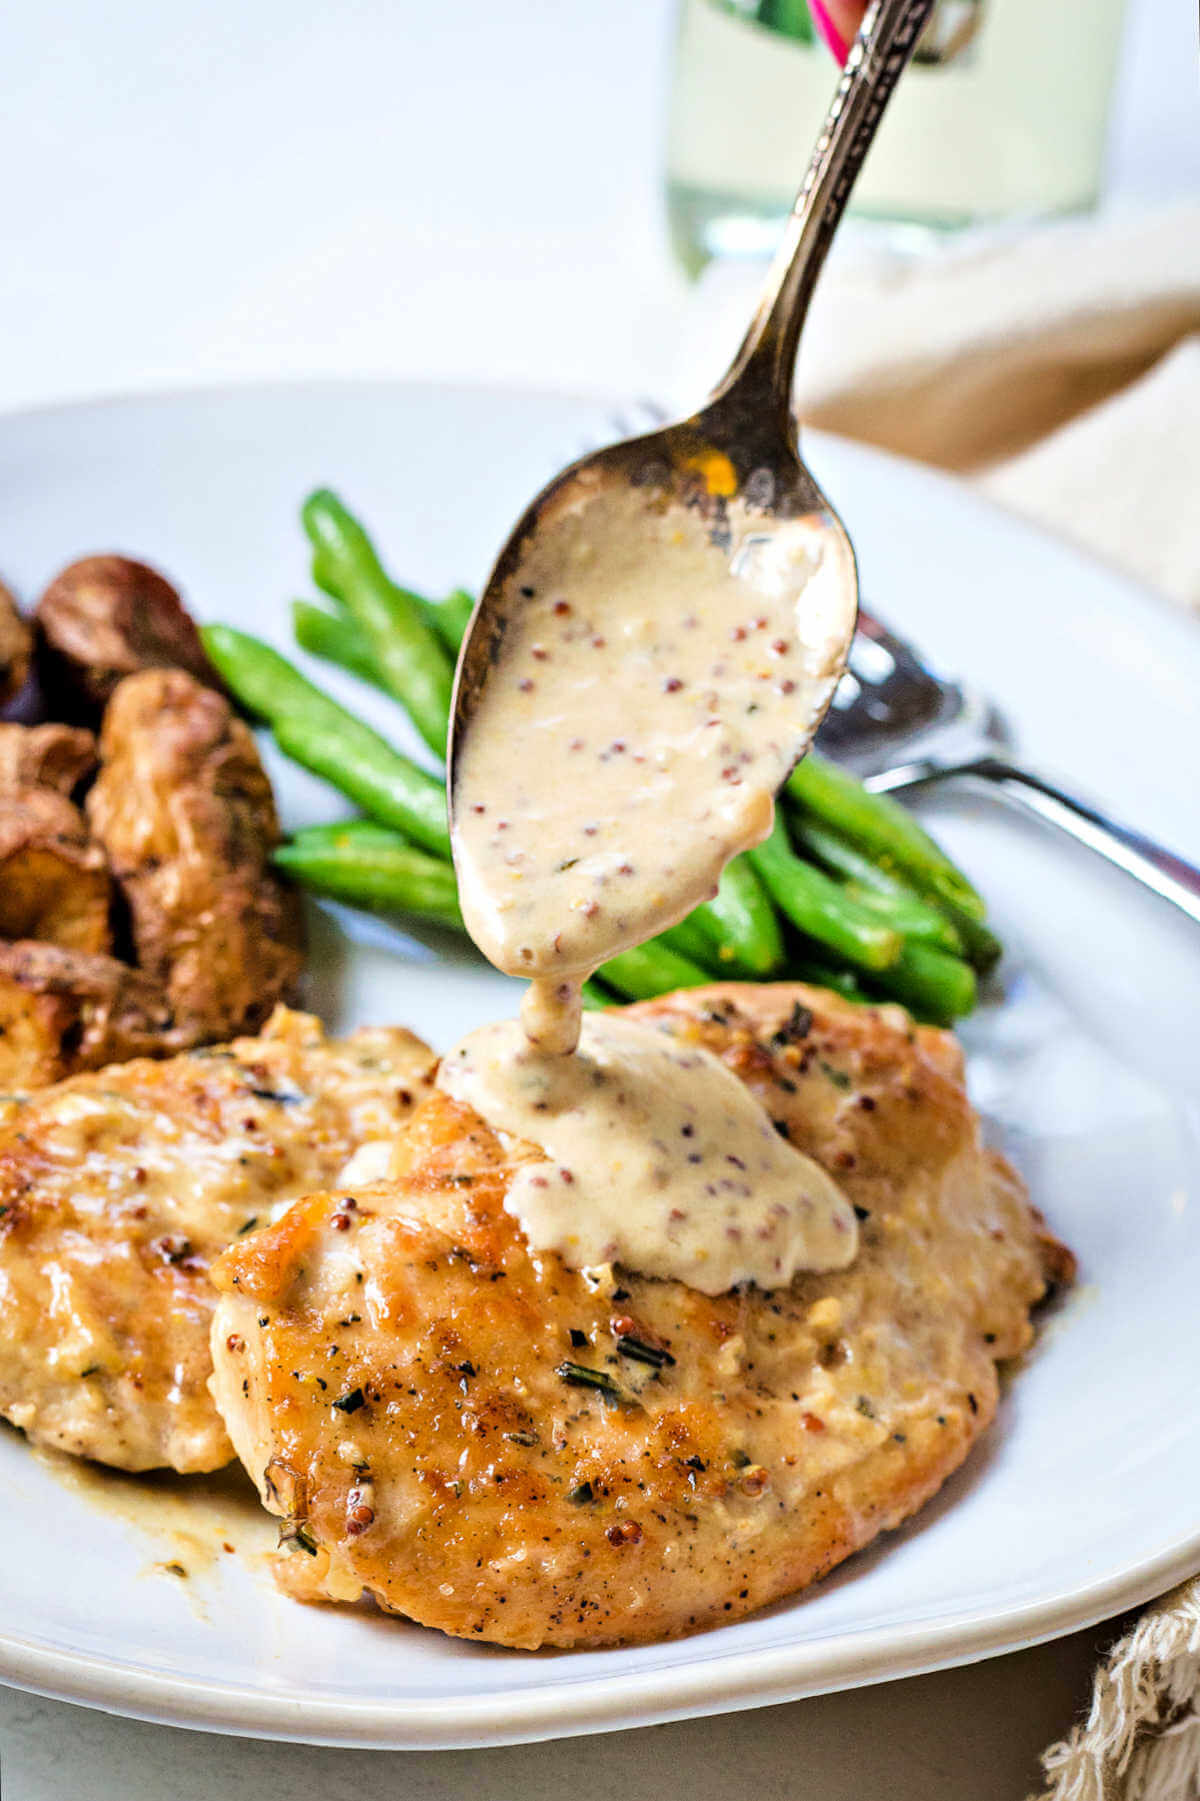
x=496 y=1445
x=118 y=1188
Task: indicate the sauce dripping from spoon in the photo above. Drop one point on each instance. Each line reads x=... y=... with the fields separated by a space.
x=661 y=669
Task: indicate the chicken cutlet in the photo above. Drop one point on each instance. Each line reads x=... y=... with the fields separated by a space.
x=489 y=1442
x=119 y=1187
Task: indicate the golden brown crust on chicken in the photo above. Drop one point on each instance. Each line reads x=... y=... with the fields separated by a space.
x=116 y=1191
x=106 y=617
x=45 y=756
x=16 y=647
x=417 y=1394
x=54 y=882
x=63 y=1011
x=184 y=810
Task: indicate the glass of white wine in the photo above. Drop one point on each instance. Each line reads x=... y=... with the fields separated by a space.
x=1002 y=116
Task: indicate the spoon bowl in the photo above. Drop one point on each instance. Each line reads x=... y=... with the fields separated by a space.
x=725 y=590
x=755 y=500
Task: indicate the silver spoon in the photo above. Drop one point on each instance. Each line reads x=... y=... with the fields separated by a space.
x=740 y=450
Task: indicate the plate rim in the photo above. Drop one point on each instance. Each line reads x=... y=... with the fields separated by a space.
x=238 y=387
x=748 y=1679
x=728 y=1680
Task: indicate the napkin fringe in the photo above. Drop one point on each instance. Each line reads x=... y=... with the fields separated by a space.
x=1141 y=1739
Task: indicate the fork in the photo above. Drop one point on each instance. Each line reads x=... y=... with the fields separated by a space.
x=898 y=725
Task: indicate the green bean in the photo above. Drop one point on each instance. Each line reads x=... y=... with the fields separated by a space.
x=691 y=940
x=451 y=617
x=316 y=732
x=881 y=827
x=820 y=908
x=981 y=946
x=334 y=637
x=448 y=617
x=912 y=917
x=742 y=924
x=934 y=986
x=824 y=975
x=371 y=866
x=412 y=662
x=651 y=969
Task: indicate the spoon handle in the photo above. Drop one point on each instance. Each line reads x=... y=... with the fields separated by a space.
x=765 y=362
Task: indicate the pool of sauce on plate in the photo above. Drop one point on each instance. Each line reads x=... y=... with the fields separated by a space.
x=658 y=677
x=191 y=1523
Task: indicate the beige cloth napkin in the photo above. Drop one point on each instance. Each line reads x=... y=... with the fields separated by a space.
x=1141 y=1738
x=1060 y=372
x=1058 y=369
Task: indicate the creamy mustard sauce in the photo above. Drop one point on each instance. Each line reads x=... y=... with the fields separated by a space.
x=661 y=670
x=192 y=1522
x=658 y=1158
x=653 y=689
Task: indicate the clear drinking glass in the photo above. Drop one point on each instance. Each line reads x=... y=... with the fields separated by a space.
x=1002 y=115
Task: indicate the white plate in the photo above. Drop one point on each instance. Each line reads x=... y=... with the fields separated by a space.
x=1083 y=1499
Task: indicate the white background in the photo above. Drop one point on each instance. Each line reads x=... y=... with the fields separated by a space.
x=200 y=188
x=244 y=187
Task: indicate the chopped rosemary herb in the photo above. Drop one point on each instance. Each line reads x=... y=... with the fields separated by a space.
x=838 y=1077
x=578 y=1375
x=350 y=1403
x=740 y=1460
x=579 y=1497
x=294 y=1534
x=797 y=1026
x=521 y=1438
x=864 y=1407
x=578 y=1338
x=248 y=1225
x=641 y=1352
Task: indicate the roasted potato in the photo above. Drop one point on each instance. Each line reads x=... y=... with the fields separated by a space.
x=16 y=647
x=185 y=813
x=46 y=756
x=104 y=618
x=54 y=882
x=62 y=1011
